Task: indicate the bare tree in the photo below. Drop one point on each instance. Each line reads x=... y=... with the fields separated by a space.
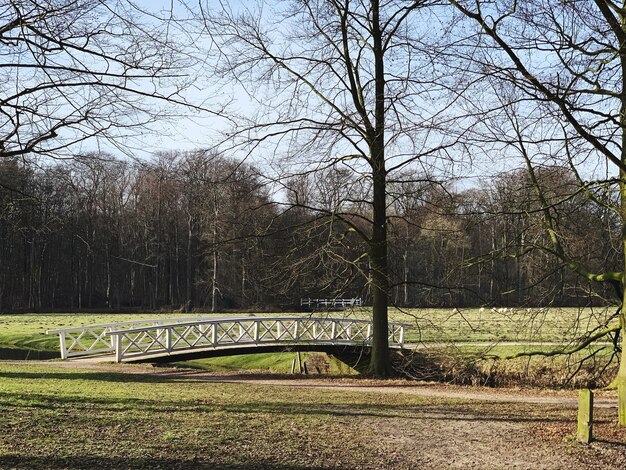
x=567 y=62
x=345 y=84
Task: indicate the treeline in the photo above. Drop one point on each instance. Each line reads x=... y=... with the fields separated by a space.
x=195 y=230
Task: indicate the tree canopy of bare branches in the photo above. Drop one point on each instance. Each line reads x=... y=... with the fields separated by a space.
x=71 y=70
x=558 y=72
x=341 y=84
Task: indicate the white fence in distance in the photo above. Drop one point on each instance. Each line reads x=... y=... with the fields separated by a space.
x=331 y=303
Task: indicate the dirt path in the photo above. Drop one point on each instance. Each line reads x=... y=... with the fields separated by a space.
x=567 y=398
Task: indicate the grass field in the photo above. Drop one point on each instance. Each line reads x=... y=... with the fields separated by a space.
x=464 y=336
x=62 y=415
x=520 y=325
x=426 y=325
x=280 y=363
x=58 y=417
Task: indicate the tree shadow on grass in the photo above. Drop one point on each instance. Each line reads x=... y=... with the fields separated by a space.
x=101 y=463
x=609 y=442
x=443 y=409
x=418 y=411
x=484 y=412
x=100 y=376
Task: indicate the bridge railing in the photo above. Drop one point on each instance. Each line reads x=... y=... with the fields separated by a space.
x=94 y=339
x=232 y=332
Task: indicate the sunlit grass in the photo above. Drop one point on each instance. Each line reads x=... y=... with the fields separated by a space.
x=62 y=417
x=427 y=325
x=58 y=417
x=468 y=333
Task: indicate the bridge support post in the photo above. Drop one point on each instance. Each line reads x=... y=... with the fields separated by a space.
x=63 y=346
x=168 y=339
x=296 y=328
x=117 y=341
x=213 y=334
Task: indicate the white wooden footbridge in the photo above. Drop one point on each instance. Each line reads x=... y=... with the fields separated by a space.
x=184 y=338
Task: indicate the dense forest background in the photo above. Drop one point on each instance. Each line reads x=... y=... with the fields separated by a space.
x=197 y=230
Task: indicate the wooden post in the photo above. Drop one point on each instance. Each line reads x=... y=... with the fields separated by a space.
x=621 y=391
x=299 y=363
x=585 y=416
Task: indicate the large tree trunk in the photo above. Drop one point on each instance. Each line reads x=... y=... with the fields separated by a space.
x=621 y=375
x=405 y=269
x=380 y=364
x=214 y=287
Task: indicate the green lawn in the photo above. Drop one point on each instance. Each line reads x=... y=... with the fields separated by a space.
x=495 y=329
x=273 y=362
x=429 y=325
x=527 y=325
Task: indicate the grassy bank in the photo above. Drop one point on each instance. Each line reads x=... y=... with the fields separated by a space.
x=281 y=363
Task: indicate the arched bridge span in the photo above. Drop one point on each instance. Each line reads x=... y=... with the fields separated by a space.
x=186 y=338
